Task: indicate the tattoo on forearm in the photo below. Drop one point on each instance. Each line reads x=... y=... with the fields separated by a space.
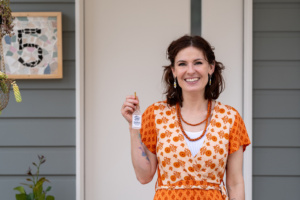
x=143 y=151
x=142 y=148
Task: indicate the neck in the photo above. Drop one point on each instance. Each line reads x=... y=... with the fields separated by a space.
x=194 y=102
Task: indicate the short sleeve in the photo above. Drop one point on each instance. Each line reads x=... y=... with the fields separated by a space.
x=148 y=130
x=238 y=135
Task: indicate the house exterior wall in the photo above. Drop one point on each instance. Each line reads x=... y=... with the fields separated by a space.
x=44 y=123
x=276 y=97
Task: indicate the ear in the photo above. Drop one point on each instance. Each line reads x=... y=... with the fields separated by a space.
x=173 y=71
x=212 y=68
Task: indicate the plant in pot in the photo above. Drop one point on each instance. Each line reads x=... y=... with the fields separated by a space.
x=6 y=30
x=35 y=184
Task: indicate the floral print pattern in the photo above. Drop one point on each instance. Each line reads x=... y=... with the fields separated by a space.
x=180 y=175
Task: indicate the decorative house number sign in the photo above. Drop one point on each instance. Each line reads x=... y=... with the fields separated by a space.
x=35 y=49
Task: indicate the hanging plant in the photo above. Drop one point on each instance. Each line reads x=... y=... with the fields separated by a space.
x=6 y=28
x=6 y=19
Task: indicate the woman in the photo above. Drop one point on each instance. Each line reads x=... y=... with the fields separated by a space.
x=190 y=139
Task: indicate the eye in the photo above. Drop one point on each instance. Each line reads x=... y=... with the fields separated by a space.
x=181 y=64
x=198 y=63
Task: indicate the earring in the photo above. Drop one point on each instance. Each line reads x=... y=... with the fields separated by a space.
x=209 y=76
x=175 y=84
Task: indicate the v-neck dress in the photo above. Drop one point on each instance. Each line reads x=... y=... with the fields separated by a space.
x=181 y=175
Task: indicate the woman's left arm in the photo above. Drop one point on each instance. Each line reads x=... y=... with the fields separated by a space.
x=234 y=175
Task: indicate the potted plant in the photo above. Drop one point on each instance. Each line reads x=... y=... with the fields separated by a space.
x=36 y=185
x=6 y=29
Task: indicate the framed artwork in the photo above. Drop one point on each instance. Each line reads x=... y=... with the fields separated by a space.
x=35 y=49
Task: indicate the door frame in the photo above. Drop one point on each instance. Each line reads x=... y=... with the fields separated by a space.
x=80 y=91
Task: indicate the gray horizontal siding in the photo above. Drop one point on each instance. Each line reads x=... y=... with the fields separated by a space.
x=38 y=132
x=276 y=133
x=280 y=161
x=276 y=1
x=276 y=188
x=276 y=17
x=43 y=1
x=276 y=103
x=276 y=97
x=62 y=186
x=69 y=46
x=274 y=45
x=268 y=75
x=68 y=11
x=44 y=123
x=16 y=160
x=67 y=82
x=42 y=103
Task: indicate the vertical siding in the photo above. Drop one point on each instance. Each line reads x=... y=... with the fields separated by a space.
x=276 y=145
x=44 y=123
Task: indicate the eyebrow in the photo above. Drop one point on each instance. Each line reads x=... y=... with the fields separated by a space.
x=185 y=61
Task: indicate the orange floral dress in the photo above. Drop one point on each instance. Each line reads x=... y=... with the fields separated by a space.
x=180 y=175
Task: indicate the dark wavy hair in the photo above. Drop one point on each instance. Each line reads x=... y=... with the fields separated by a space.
x=174 y=95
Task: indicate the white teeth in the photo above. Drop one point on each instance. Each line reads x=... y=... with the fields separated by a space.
x=191 y=79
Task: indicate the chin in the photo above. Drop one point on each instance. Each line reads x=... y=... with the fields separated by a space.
x=196 y=90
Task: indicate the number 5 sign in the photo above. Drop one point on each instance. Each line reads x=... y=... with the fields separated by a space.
x=35 y=49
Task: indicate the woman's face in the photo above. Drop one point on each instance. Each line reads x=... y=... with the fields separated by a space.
x=191 y=70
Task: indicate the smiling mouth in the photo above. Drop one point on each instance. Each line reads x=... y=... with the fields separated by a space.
x=191 y=79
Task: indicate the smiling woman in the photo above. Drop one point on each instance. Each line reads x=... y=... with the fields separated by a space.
x=192 y=56
x=184 y=136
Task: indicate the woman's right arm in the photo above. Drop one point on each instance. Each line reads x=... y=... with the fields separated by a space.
x=144 y=162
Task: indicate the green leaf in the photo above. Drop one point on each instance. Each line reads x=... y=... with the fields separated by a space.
x=48 y=188
x=42 y=197
x=21 y=197
x=20 y=189
x=42 y=180
x=49 y=197
x=30 y=196
x=37 y=190
x=29 y=185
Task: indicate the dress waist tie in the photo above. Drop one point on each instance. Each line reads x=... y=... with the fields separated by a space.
x=224 y=191
x=211 y=186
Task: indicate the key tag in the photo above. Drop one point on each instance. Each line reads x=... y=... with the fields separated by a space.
x=136 y=117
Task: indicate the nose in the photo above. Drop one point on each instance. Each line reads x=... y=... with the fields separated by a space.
x=190 y=69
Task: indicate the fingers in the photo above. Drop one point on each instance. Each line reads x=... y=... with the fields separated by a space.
x=132 y=99
x=129 y=109
x=129 y=105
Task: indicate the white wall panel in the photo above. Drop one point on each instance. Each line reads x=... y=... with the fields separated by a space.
x=125 y=45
